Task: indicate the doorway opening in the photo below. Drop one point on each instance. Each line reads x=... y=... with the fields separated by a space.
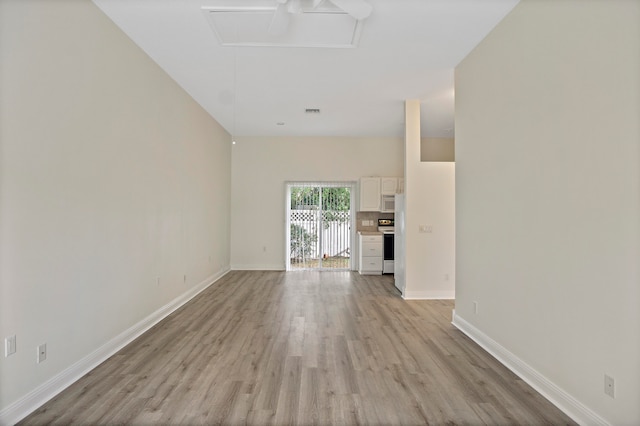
x=319 y=225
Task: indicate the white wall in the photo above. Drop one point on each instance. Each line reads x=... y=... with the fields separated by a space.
x=111 y=177
x=430 y=202
x=548 y=198
x=261 y=166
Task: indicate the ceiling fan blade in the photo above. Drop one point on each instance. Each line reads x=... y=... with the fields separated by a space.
x=294 y=6
x=359 y=9
x=280 y=20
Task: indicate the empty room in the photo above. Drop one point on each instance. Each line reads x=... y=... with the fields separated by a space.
x=320 y=212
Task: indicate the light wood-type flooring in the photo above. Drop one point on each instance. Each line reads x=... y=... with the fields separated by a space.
x=302 y=348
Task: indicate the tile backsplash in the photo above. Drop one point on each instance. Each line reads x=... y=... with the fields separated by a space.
x=371 y=220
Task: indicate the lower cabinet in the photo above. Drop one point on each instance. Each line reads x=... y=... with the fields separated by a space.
x=370 y=252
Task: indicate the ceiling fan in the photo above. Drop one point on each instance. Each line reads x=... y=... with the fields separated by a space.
x=357 y=9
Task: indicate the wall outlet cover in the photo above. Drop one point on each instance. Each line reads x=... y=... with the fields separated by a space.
x=609 y=386
x=42 y=353
x=10 y=345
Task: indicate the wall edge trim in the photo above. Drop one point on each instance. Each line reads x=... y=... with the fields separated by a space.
x=557 y=396
x=34 y=399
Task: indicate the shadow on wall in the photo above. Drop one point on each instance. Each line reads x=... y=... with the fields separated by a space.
x=437 y=149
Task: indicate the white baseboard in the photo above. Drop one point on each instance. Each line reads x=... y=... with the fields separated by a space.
x=429 y=295
x=43 y=393
x=558 y=397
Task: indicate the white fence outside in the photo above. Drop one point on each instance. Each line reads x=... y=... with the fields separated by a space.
x=322 y=243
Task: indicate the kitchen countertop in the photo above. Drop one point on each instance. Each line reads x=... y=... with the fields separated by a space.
x=369 y=232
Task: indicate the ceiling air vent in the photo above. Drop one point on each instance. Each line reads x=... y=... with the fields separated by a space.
x=312 y=110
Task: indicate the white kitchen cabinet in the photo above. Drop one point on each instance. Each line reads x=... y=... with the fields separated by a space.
x=370 y=194
x=370 y=254
x=388 y=185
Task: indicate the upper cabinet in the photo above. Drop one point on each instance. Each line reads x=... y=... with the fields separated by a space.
x=373 y=188
x=370 y=194
x=388 y=185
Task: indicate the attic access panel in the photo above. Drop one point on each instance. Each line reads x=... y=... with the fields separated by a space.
x=249 y=26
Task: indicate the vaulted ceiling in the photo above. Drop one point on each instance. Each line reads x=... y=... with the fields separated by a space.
x=256 y=72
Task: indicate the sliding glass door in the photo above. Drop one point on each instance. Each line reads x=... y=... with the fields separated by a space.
x=319 y=225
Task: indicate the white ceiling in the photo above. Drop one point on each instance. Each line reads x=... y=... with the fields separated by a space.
x=407 y=50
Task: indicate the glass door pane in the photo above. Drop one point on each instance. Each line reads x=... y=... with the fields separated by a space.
x=336 y=227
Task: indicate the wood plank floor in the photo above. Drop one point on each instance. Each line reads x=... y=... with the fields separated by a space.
x=302 y=348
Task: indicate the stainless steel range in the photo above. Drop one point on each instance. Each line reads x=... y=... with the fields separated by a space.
x=388 y=231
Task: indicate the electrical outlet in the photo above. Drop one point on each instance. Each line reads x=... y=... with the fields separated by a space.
x=426 y=229
x=185 y=279
x=609 y=386
x=475 y=308
x=42 y=353
x=10 y=345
